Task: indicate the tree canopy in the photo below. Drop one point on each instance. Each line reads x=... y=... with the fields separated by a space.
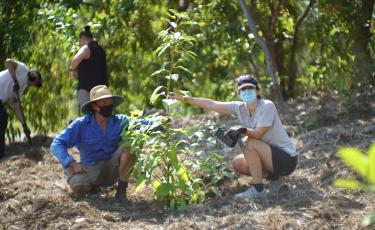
x=315 y=46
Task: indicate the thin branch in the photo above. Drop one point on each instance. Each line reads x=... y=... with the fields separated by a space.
x=295 y=34
x=261 y=42
x=275 y=12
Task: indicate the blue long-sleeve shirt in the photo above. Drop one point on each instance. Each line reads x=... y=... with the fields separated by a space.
x=93 y=144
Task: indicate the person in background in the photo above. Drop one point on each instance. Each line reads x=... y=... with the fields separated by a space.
x=267 y=151
x=97 y=136
x=13 y=82
x=89 y=65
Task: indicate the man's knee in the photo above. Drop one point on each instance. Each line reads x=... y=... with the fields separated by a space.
x=127 y=157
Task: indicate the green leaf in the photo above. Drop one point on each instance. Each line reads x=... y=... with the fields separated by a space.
x=141 y=181
x=347 y=183
x=182 y=142
x=371 y=164
x=169 y=102
x=182 y=174
x=202 y=196
x=199 y=134
x=371 y=188
x=173 y=77
x=172 y=203
x=183 y=68
x=172 y=155
x=163 y=48
x=216 y=191
x=163 y=190
x=181 y=204
x=177 y=36
x=162 y=69
x=369 y=219
x=218 y=156
x=194 y=197
x=229 y=175
x=191 y=53
x=354 y=158
x=158 y=72
x=215 y=179
x=155 y=95
x=156 y=185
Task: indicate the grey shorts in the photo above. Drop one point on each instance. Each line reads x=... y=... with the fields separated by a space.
x=102 y=173
x=83 y=97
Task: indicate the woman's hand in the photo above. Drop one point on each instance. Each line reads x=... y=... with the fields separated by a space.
x=176 y=96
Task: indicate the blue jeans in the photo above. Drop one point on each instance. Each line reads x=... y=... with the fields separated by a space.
x=3 y=126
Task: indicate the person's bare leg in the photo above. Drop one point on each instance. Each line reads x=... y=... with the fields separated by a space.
x=127 y=162
x=241 y=166
x=256 y=159
x=259 y=158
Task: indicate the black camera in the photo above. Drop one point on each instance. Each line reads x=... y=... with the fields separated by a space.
x=223 y=136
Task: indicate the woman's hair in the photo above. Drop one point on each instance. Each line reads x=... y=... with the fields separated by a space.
x=86 y=32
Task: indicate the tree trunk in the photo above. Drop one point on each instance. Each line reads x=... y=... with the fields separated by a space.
x=183 y=5
x=275 y=43
x=2 y=50
x=360 y=33
x=292 y=72
x=270 y=65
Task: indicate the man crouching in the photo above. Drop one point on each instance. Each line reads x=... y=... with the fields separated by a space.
x=97 y=136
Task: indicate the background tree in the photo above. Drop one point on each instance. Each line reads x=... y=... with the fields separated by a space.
x=315 y=46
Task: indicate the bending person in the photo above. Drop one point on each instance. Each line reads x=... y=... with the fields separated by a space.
x=13 y=82
x=267 y=151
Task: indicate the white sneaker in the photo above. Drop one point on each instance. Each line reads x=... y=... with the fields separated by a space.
x=251 y=193
x=275 y=185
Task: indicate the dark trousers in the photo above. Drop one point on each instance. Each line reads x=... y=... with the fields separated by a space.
x=3 y=126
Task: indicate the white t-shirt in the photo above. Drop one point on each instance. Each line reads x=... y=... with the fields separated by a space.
x=266 y=115
x=6 y=83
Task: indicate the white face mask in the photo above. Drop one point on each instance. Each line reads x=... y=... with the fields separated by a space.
x=248 y=95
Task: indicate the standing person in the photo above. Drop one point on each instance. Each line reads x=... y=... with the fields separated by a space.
x=89 y=66
x=267 y=151
x=97 y=136
x=13 y=82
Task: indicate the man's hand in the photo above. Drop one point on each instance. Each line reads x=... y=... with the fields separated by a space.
x=16 y=86
x=75 y=168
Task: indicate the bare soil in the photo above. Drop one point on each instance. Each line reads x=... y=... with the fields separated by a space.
x=34 y=193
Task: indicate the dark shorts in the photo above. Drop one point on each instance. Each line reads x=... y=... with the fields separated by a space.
x=283 y=163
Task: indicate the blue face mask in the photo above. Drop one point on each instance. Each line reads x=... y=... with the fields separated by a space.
x=248 y=95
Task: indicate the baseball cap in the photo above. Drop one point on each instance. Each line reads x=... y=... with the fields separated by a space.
x=246 y=80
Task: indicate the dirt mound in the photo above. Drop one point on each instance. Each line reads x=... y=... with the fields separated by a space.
x=34 y=193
